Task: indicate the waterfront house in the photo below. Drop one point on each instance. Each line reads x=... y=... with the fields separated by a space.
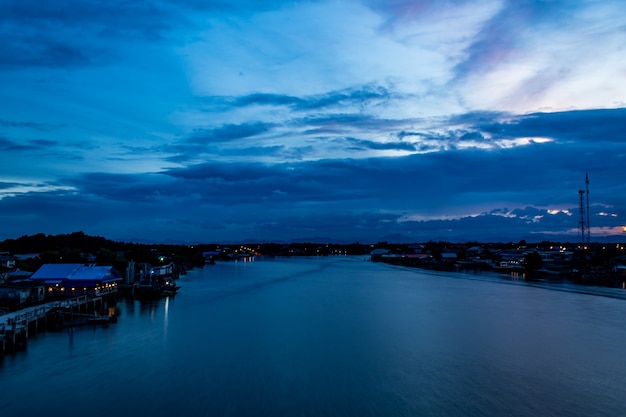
x=7 y=261
x=211 y=256
x=16 y=294
x=377 y=254
x=474 y=251
x=69 y=280
x=418 y=259
x=420 y=256
x=156 y=281
x=448 y=257
x=416 y=248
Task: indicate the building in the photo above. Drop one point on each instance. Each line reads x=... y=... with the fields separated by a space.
x=14 y=295
x=377 y=254
x=7 y=261
x=449 y=257
x=69 y=280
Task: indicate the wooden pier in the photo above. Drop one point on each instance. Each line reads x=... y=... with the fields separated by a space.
x=17 y=326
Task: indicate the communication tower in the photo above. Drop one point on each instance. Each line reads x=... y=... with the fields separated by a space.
x=585 y=236
x=582 y=217
x=588 y=224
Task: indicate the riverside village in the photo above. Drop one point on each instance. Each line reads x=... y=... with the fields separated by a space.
x=57 y=282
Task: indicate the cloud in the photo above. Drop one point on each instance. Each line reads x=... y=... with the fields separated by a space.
x=510 y=65
x=416 y=118
x=450 y=195
x=6 y=185
x=370 y=144
x=261 y=99
x=72 y=33
x=229 y=132
x=27 y=145
x=13 y=189
x=576 y=125
x=367 y=95
x=33 y=125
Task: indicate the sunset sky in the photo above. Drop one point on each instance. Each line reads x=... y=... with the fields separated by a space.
x=342 y=121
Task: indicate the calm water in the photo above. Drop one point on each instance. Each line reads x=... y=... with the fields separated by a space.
x=334 y=337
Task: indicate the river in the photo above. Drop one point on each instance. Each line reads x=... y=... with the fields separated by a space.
x=334 y=336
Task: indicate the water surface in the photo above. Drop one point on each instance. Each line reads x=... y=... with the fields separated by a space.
x=334 y=336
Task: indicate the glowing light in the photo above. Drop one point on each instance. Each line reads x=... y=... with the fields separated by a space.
x=605 y=214
x=557 y=211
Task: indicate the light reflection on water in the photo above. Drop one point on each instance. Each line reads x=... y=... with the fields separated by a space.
x=335 y=336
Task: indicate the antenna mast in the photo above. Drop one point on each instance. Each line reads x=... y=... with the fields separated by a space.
x=588 y=224
x=582 y=217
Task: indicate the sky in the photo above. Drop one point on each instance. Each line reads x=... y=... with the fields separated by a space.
x=207 y=121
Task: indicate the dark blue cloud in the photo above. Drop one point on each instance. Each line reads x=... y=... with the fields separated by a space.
x=26 y=145
x=547 y=174
x=44 y=143
x=5 y=185
x=351 y=97
x=36 y=51
x=598 y=125
x=70 y=33
x=359 y=97
x=32 y=125
x=370 y=144
x=476 y=118
x=442 y=177
x=260 y=99
x=230 y=172
x=369 y=197
x=476 y=136
x=189 y=153
x=229 y=132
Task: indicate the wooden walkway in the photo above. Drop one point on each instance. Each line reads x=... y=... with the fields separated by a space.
x=14 y=326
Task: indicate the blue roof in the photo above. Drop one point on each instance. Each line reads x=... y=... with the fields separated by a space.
x=92 y=272
x=75 y=272
x=55 y=271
